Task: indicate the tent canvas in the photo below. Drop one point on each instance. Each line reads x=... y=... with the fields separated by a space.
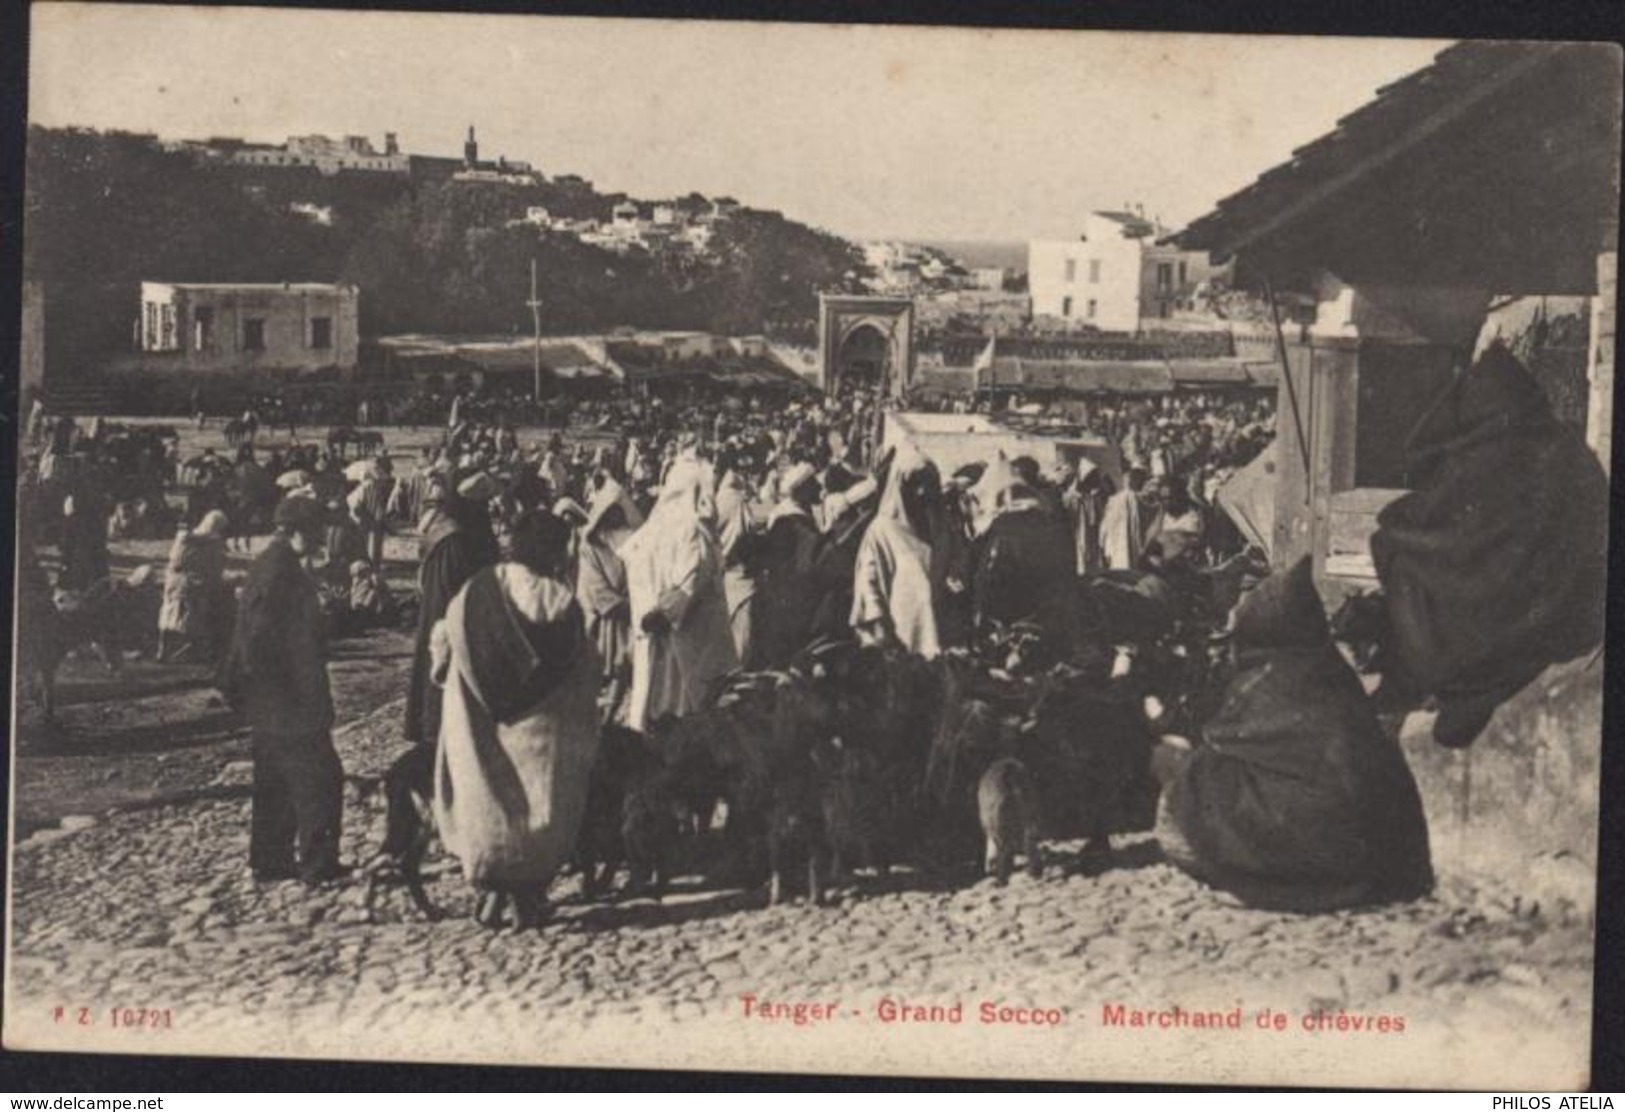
x=1248 y=497
x=951 y=441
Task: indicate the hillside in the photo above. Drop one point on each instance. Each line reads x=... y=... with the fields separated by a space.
x=105 y=211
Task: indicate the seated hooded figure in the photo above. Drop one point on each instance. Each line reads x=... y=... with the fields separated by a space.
x=1295 y=799
x=370 y=600
x=1495 y=566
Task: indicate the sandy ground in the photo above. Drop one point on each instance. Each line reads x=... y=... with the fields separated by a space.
x=130 y=891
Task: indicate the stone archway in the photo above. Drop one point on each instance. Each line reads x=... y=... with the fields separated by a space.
x=863 y=360
x=866 y=342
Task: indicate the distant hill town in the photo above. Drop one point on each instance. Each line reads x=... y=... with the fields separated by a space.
x=438 y=244
x=435 y=243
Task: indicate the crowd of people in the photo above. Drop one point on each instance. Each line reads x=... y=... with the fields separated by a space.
x=694 y=544
x=99 y=482
x=691 y=542
x=619 y=576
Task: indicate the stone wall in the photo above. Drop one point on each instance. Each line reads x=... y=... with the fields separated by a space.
x=1600 y=411
x=1521 y=803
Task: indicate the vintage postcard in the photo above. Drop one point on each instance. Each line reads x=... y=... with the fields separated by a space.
x=839 y=549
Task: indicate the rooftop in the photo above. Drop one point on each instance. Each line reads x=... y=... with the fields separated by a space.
x=291 y=287
x=1133 y=224
x=1496 y=165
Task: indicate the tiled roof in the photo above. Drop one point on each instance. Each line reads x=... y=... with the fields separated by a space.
x=1402 y=115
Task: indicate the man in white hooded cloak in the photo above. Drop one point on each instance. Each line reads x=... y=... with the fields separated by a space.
x=681 y=639
x=892 y=595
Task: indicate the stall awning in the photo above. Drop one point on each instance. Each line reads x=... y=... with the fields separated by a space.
x=507 y=355
x=735 y=371
x=1264 y=373
x=1082 y=376
x=1210 y=372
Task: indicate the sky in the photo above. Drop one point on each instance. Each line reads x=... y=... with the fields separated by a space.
x=870 y=132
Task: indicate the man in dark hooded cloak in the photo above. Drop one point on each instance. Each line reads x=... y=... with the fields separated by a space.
x=1495 y=566
x=1294 y=799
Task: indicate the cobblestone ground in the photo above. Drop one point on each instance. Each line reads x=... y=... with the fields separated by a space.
x=154 y=908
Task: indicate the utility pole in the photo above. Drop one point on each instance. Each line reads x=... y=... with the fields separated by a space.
x=536 y=324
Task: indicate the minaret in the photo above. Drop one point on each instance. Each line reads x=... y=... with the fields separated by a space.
x=471 y=149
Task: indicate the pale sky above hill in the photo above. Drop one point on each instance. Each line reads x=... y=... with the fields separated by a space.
x=868 y=131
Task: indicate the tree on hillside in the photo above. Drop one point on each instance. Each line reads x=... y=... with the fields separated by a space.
x=770 y=268
x=451 y=259
x=105 y=211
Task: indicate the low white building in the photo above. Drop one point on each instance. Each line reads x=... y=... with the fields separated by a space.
x=1115 y=276
x=697 y=236
x=316 y=214
x=228 y=326
x=991 y=278
x=490 y=176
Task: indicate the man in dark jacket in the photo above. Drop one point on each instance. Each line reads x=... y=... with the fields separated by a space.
x=85 y=560
x=253 y=493
x=788 y=591
x=457 y=542
x=1024 y=562
x=275 y=674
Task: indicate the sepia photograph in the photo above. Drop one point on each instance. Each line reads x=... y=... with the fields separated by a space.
x=811 y=548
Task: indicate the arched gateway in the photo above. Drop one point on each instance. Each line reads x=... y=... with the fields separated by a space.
x=865 y=343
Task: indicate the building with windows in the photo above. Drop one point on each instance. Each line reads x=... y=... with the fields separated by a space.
x=321 y=152
x=1115 y=276
x=471 y=167
x=330 y=156
x=290 y=326
x=989 y=278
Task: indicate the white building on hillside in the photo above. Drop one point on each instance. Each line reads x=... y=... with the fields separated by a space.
x=327 y=155
x=1115 y=276
x=991 y=278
